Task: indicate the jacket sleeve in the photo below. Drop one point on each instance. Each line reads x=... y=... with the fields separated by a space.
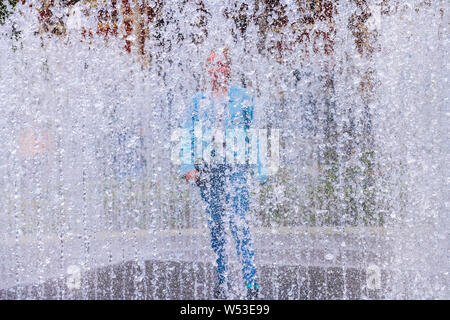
x=260 y=160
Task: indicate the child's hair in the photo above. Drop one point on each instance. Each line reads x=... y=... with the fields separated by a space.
x=216 y=66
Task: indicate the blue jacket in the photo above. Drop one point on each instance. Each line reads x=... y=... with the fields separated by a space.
x=239 y=111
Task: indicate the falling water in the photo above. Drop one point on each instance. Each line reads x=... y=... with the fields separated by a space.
x=92 y=91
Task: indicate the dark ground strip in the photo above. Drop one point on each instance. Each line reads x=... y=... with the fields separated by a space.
x=187 y=280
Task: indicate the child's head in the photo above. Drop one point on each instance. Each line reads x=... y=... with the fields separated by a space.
x=218 y=68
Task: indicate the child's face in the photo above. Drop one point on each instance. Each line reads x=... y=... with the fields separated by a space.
x=219 y=72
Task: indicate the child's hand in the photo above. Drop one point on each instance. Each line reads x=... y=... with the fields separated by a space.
x=192 y=175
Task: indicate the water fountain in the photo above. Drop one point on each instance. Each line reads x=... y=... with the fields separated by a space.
x=92 y=90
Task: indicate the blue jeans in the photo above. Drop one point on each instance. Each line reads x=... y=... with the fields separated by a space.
x=223 y=186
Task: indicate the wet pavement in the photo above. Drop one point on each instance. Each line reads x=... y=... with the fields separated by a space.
x=317 y=264
x=186 y=280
